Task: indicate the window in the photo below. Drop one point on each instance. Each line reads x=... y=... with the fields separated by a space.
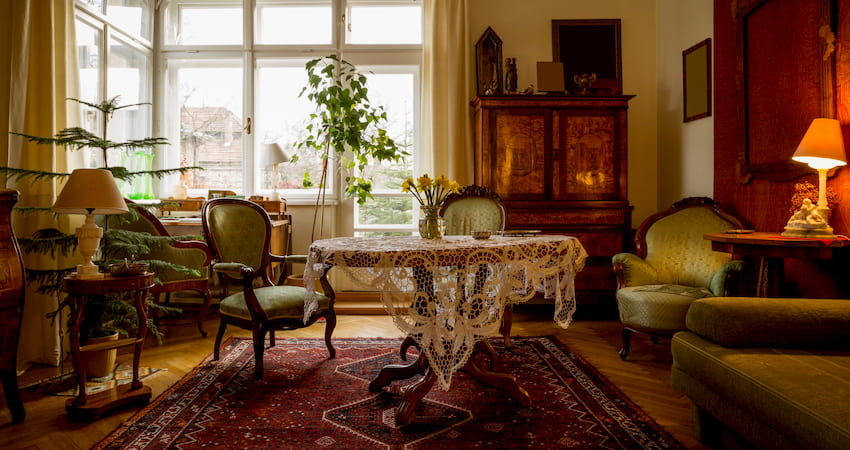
x=114 y=55
x=232 y=78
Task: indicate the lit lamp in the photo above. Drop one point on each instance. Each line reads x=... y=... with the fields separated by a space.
x=273 y=155
x=89 y=192
x=822 y=148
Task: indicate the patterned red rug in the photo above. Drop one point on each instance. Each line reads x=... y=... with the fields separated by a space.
x=308 y=401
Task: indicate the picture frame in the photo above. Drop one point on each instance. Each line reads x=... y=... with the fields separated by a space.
x=488 y=63
x=696 y=81
x=588 y=46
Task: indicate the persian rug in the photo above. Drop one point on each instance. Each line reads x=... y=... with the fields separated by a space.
x=66 y=384
x=306 y=400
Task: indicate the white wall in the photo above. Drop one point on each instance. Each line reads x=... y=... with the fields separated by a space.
x=685 y=150
x=526 y=32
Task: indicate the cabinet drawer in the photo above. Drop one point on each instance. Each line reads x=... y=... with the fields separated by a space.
x=600 y=243
x=596 y=275
x=517 y=218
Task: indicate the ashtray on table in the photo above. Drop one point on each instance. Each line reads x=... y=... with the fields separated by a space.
x=127 y=269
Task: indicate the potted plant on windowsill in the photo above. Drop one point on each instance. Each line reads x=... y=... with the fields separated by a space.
x=345 y=129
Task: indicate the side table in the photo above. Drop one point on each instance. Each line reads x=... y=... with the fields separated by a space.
x=771 y=249
x=92 y=407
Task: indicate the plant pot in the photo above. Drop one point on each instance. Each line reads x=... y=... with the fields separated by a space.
x=101 y=363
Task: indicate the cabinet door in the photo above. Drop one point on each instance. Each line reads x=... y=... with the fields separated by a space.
x=519 y=152
x=591 y=149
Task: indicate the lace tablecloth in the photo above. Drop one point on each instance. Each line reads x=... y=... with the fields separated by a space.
x=449 y=293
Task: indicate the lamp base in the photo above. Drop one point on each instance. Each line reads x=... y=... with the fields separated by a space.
x=812 y=231
x=88 y=272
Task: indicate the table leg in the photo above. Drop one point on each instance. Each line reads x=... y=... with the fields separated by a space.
x=771 y=271
x=76 y=311
x=502 y=381
x=398 y=372
x=412 y=395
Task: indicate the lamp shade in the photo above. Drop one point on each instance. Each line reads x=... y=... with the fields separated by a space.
x=274 y=154
x=822 y=146
x=90 y=191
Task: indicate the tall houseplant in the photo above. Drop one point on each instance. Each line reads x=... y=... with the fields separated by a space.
x=345 y=128
x=108 y=314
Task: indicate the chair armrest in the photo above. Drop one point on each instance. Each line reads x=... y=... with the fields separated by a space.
x=772 y=322
x=632 y=270
x=724 y=279
x=233 y=270
x=198 y=245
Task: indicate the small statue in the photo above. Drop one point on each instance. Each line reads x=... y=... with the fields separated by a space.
x=584 y=82
x=808 y=214
x=529 y=90
x=510 y=76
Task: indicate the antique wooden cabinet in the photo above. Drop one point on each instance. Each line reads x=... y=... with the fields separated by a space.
x=560 y=165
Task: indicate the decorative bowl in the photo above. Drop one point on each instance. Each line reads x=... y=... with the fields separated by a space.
x=127 y=269
x=481 y=235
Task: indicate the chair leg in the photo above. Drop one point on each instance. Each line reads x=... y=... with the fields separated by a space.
x=626 y=334
x=259 y=335
x=271 y=338
x=13 y=395
x=507 y=322
x=330 y=324
x=222 y=325
x=205 y=309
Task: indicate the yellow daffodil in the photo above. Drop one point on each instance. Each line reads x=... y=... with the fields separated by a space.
x=430 y=192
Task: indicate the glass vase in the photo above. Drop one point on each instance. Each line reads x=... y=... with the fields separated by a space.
x=431 y=225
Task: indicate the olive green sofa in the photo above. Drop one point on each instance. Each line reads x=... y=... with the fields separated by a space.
x=774 y=371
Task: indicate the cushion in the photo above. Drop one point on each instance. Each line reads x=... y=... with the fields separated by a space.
x=278 y=302
x=772 y=322
x=660 y=308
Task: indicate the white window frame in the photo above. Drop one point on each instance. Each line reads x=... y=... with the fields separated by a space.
x=251 y=55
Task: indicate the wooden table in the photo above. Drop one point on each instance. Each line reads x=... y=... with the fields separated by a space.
x=92 y=407
x=449 y=295
x=767 y=251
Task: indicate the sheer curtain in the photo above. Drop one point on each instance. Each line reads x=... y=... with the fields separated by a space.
x=39 y=67
x=447 y=90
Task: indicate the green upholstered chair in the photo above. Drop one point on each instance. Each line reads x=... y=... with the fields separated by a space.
x=477 y=208
x=239 y=234
x=673 y=266
x=189 y=253
x=474 y=208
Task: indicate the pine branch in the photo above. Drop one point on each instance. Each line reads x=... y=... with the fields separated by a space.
x=28 y=210
x=49 y=241
x=49 y=281
x=15 y=174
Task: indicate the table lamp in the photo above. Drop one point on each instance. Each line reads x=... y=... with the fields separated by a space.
x=89 y=192
x=273 y=155
x=822 y=148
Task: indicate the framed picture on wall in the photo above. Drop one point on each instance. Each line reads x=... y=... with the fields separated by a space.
x=586 y=47
x=696 y=81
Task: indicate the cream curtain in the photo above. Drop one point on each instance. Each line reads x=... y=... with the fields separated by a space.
x=447 y=90
x=39 y=73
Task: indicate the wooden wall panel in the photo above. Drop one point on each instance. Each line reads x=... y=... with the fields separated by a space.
x=774 y=74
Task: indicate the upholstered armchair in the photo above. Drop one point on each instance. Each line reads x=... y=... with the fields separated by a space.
x=474 y=208
x=239 y=234
x=12 y=290
x=673 y=266
x=189 y=253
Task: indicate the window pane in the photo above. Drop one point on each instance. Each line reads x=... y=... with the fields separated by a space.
x=132 y=16
x=282 y=117
x=386 y=211
x=95 y=5
x=369 y=24
x=219 y=23
x=294 y=23
x=128 y=78
x=88 y=59
x=211 y=126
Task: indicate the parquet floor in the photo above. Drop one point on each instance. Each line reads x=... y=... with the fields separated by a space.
x=645 y=377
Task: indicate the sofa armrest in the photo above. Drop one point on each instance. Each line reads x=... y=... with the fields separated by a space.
x=772 y=322
x=632 y=270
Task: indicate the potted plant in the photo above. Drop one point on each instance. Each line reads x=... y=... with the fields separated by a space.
x=345 y=128
x=106 y=315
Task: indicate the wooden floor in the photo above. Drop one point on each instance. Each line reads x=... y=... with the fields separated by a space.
x=645 y=377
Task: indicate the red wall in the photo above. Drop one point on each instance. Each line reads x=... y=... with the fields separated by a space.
x=761 y=117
